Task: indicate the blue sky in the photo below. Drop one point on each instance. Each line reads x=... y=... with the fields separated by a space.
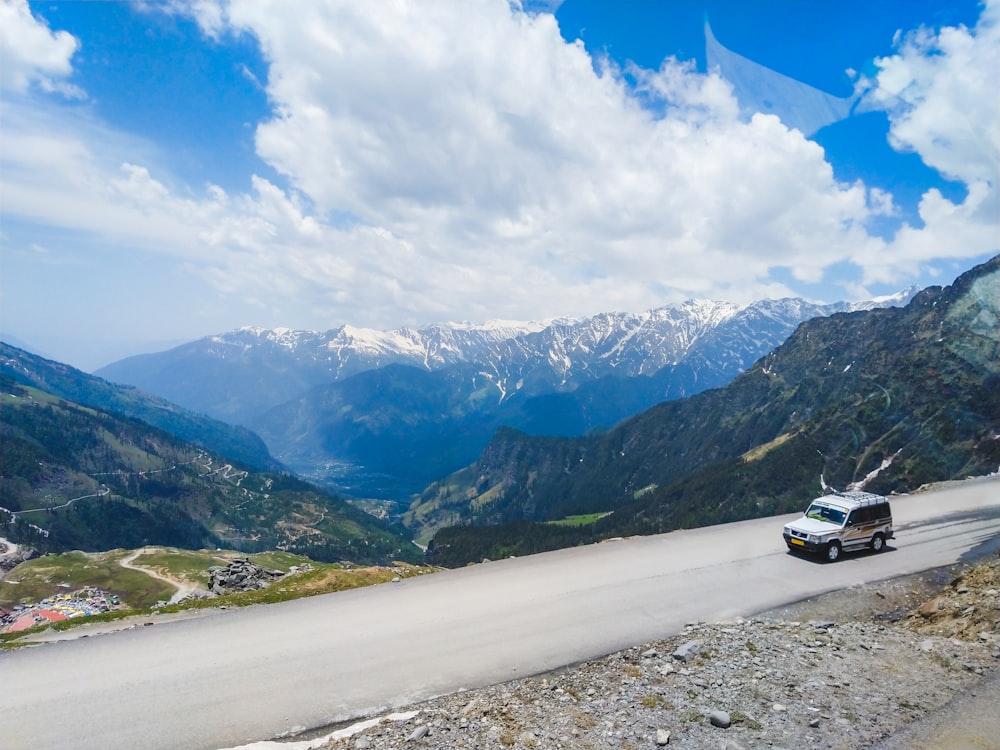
x=170 y=170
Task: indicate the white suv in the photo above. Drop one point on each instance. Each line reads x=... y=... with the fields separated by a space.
x=840 y=522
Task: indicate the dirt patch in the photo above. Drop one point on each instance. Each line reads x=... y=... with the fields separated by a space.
x=882 y=601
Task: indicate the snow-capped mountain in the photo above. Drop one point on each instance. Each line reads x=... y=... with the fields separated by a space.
x=240 y=374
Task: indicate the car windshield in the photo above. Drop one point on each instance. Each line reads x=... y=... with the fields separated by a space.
x=826 y=513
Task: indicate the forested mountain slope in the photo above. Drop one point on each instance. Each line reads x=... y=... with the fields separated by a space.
x=76 y=477
x=236 y=443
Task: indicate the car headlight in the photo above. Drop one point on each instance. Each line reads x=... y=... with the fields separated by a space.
x=813 y=539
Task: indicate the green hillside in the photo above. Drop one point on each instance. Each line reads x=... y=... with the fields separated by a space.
x=236 y=443
x=76 y=477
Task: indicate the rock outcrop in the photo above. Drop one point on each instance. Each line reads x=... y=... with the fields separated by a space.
x=240 y=575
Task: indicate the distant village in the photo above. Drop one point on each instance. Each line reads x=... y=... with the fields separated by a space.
x=82 y=603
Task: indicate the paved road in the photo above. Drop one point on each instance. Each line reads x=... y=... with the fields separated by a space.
x=257 y=673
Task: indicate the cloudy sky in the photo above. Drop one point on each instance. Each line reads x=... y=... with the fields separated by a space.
x=174 y=169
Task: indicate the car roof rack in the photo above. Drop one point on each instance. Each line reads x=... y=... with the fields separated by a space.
x=862 y=499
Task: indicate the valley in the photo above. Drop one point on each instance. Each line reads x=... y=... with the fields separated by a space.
x=78 y=477
x=885 y=400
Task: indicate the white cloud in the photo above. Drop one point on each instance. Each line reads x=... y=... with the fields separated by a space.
x=941 y=96
x=489 y=171
x=940 y=92
x=32 y=54
x=210 y=15
x=486 y=141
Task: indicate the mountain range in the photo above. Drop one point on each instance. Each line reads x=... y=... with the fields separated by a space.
x=884 y=399
x=383 y=413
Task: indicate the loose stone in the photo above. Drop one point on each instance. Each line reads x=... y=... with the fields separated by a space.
x=420 y=732
x=720 y=719
x=687 y=651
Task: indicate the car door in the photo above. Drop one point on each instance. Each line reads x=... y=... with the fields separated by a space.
x=858 y=529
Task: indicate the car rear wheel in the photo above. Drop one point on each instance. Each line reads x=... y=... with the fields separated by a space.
x=833 y=551
x=878 y=543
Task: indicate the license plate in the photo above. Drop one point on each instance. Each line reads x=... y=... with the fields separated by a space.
x=798 y=542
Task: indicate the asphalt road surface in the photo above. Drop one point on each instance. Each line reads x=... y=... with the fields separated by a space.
x=263 y=672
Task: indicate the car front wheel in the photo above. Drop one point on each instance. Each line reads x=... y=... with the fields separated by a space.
x=832 y=551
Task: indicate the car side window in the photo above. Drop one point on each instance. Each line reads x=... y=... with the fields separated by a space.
x=853 y=518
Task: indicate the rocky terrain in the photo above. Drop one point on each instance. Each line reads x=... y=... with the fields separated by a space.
x=241 y=574
x=847 y=670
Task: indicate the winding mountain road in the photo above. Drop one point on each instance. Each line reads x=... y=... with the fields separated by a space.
x=261 y=672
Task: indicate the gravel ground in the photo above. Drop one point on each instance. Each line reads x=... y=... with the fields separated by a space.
x=851 y=669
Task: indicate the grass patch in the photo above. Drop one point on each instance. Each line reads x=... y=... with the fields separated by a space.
x=188 y=565
x=193 y=565
x=652 y=700
x=46 y=576
x=283 y=561
x=738 y=717
x=581 y=520
x=755 y=454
